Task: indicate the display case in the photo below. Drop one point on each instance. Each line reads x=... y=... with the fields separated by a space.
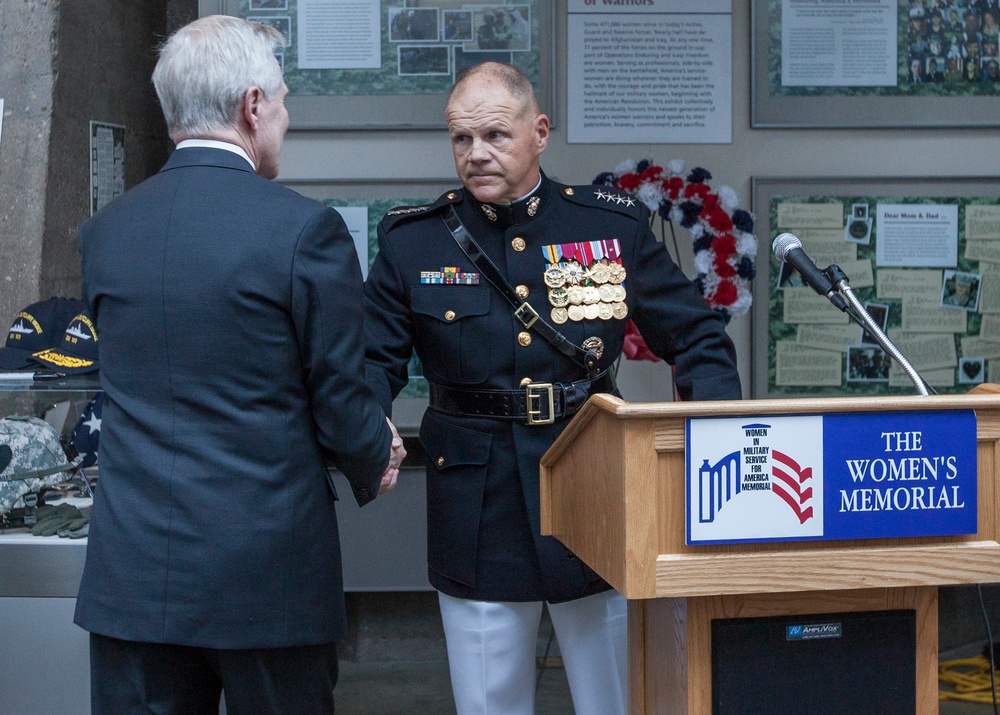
x=45 y=656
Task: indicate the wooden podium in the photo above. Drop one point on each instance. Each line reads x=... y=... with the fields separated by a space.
x=613 y=491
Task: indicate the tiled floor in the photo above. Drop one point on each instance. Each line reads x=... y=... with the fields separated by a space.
x=424 y=689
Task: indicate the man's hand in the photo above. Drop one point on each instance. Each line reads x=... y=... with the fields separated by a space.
x=396 y=455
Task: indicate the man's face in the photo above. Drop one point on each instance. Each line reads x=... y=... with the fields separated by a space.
x=496 y=140
x=273 y=117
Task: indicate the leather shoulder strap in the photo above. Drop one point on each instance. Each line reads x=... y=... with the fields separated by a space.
x=523 y=311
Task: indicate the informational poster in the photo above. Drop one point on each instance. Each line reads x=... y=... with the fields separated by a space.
x=335 y=34
x=917 y=235
x=107 y=163
x=926 y=268
x=660 y=71
x=884 y=48
x=825 y=44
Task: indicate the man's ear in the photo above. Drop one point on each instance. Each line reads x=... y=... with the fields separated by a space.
x=541 y=127
x=252 y=100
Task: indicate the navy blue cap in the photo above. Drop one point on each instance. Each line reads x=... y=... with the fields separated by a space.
x=40 y=326
x=77 y=353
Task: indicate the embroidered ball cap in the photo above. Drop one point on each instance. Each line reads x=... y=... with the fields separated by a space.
x=77 y=353
x=38 y=327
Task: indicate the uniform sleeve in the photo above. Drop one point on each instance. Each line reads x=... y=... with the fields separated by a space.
x=329 y=323
x=678 y=325
x=388 y=326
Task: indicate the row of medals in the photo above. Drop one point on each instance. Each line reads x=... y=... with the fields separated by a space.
x=571 y=300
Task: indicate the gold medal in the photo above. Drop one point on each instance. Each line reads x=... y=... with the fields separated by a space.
x=604 y=311
x=607 y=293
x=619 y=294
x=555 y=277
x=617 y=273
x=591 y=311
x=619 y=310
x=576 y=313
x=575 y=294
x=559 y=297
x=599 y=273
x=559 y=315
x=591 y=295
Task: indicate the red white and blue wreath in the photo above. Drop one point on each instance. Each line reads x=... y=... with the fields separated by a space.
x=721 y=234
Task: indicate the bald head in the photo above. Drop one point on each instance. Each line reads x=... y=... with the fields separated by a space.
x=509 y=77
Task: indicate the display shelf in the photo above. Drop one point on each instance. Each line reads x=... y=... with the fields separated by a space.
x=90 y=382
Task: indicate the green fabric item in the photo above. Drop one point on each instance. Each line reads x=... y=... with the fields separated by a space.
x=53 y=518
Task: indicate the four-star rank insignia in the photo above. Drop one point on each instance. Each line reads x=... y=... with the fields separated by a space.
x=614 y=198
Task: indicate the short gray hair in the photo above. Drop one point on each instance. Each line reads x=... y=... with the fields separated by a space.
x=514 y=80
x=206 y=67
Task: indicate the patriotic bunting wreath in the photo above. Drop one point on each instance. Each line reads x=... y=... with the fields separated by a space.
x=721 y=234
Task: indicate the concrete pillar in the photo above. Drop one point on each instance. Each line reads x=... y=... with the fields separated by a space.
x=64 y=64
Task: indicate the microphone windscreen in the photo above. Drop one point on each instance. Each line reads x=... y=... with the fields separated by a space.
x=783 y=243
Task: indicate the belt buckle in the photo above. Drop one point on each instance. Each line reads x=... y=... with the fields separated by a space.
x=532 y=314
x=535 y=392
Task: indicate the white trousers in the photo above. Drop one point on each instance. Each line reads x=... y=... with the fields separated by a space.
x=491 y=653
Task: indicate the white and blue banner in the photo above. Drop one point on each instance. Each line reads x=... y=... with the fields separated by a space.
x=842 y=476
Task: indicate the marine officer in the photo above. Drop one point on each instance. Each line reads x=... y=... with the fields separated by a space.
x=514 y=291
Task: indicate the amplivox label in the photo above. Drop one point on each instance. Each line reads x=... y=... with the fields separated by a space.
x=813 y=632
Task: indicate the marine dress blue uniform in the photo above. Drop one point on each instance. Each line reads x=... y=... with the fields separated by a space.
x=424 y=294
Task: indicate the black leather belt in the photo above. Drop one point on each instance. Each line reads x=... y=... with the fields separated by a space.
x=537 y=403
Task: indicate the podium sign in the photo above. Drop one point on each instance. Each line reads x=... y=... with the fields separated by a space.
x=863 y=475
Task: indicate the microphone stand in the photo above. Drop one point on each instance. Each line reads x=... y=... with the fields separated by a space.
x=839 y=280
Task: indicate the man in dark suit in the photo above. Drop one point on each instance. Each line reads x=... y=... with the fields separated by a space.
x=583 y=260
x=229 y=317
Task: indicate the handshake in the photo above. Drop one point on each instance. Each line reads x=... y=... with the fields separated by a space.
x=396 y=455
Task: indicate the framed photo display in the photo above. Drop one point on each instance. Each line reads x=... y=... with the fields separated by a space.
x=388 y=64
x=879 y=63
x=921 y=255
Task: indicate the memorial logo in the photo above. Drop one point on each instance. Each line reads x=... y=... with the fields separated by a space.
x=840 y=476
x=770 y=487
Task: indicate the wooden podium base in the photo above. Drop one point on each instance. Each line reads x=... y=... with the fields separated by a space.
x=670 y=658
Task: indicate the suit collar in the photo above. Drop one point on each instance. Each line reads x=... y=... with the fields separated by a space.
x=206 y=156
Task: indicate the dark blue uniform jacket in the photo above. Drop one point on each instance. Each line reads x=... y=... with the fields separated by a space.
x=484 y=538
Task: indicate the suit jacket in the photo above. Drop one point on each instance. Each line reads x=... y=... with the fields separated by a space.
x=483 y=517
x=229 y=325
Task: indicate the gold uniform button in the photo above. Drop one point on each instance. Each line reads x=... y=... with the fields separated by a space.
x=526 y=381
x=452 y=195
x=524 y=338
x=449 y=315
x=522 y=291
x=518 y=243
x=569 y=191
x=440 y=461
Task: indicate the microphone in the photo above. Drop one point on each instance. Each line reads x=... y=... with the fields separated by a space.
x=788 y=249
